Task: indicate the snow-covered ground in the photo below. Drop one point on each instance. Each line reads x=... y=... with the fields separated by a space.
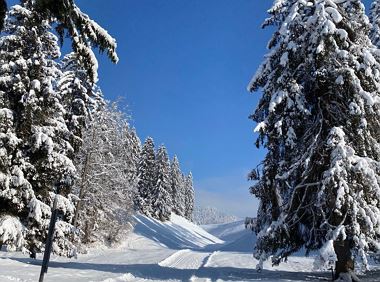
x=173 y=251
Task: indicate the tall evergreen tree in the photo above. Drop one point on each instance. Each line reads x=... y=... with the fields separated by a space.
x=132 y=149
x=319 y=119
x=37 y=151
x=146 y=172
x=189 y=196
x=177 y=187
x=161 y=195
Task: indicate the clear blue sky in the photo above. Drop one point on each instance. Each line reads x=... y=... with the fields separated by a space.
x=183 y=71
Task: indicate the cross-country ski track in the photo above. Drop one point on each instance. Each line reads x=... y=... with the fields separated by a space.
x=176 y=250
x=186 y=259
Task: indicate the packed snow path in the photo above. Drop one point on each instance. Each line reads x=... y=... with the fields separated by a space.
x=185 y=259
x=172 y=251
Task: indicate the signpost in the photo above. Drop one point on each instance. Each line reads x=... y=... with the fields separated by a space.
x=49 y=240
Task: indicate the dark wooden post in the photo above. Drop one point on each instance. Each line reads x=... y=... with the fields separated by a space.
x=49 y=240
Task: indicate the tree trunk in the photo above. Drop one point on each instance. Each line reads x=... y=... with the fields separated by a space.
x=345 y=262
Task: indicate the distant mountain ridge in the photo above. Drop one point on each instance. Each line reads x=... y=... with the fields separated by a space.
x=211 y=215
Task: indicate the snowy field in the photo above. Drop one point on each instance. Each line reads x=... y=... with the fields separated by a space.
x=172 y=251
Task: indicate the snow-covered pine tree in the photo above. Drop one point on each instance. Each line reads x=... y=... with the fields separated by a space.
x=177 y=187
x=319 y=119
x=161 y=195
x=36 y=149
x=146 y=173
x=103 y=179
x=132 y=152
x=189 y=196
x=374 y=16
x=81 y=97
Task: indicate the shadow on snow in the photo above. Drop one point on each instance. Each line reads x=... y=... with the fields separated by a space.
x=157 y=272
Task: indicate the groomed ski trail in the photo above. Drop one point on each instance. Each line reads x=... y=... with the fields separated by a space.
x=186 y=259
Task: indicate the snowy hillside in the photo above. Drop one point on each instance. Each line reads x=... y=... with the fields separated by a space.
x=178 y=233
x=176 y=250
